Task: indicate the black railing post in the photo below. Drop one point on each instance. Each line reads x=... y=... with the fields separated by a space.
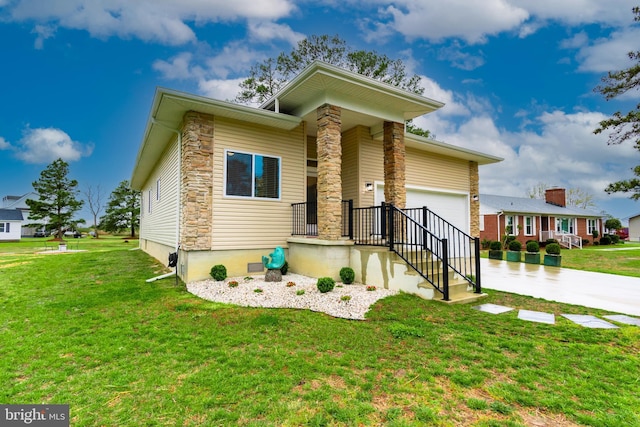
x=350 y=219
x=383 y=221
x=391 y=224
x=476 y=241
x=425 y=218
x=445 y=270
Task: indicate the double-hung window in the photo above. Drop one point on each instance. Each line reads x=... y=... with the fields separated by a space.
x=511 y=225
x=592 y=225
x=252 y=175
x=529 y=226
x=5 y=227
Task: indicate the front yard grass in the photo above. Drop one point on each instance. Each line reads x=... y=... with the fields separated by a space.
x=87 y=330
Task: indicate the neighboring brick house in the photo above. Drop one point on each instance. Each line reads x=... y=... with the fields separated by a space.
x=10 y=224
x=537 y=219
x=223 y=180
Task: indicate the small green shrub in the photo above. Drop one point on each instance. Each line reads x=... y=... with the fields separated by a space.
x=495 y=245
x=233 y=284
x=325 y=284
x=553 y=249
x=484 y=243
x=347 y=275
x=300 y=292
x=533 y=246
x=549 y=241
x=515 y=246
x=596 y=243
x=508 y=240
x=605 y=240
x=284 y=268
x=595 y=234
x=257 y=290
x=218 y=272
x=585 y=242
x=615 y=239
x=345 y=298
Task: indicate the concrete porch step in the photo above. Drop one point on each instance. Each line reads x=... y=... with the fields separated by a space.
x=459 y=293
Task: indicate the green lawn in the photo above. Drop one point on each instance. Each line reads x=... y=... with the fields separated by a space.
x=86 y=329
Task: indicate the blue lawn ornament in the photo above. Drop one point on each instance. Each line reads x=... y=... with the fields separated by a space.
x=277 y=259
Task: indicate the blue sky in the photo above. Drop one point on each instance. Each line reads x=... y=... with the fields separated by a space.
x=517 y=77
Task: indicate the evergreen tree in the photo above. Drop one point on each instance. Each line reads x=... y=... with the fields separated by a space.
x=123 y=210
x=623 y=126
x=267 y=78
x=57 y=201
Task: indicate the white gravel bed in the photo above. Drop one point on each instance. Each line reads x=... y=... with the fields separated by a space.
x=279 y=295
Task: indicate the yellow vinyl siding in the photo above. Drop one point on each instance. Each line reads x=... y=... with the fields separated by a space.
x=244 y=223
x=350 y=167
x=436 y=171
x=160 y=224
x=371 y=165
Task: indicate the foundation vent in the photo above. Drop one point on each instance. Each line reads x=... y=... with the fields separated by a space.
x=255 y=267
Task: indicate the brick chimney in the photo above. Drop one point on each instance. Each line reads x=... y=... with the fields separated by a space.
x=555 y=196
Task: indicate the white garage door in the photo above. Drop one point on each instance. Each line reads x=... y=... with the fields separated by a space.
x=453 y=207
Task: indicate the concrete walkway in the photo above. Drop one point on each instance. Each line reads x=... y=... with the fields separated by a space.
x=619 y=294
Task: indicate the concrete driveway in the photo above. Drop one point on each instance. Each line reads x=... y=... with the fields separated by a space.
x=619 y=294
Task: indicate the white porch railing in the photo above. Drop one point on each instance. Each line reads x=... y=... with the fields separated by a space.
x=564 y=239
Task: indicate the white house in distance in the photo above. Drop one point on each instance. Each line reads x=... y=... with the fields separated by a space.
x=308 y=171
x=10 y=224
x=634 y=228
x=20 y=203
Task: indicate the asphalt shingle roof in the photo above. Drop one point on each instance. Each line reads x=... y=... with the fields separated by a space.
x=10 y=215
x=530 y=206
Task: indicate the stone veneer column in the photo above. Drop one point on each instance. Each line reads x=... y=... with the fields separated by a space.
x=394 y=164
x=474 y=190
x=329 y=143
x=196 y=198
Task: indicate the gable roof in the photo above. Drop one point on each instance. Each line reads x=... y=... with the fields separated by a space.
x=10 y=215
x=491 y=204
x=18 y=202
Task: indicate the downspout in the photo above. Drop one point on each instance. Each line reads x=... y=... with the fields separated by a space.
x=498 y=225
x=177 y=245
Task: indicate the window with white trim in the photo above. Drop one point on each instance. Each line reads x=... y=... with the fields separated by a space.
x=529 y=226
x=592 y=225
x=565 y=225
x=511 y=225
x=481 y=222
x=5 y=227
x=251 y=175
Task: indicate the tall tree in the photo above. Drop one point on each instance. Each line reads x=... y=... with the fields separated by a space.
x=623 y=126
x=123 y=210
x=57 y=201
x=267 y=78
x=94 y=199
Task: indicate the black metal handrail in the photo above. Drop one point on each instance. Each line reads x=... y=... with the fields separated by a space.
x=305 y=219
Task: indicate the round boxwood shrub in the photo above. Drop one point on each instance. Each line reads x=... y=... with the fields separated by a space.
x=605 y=240
x=284 y=268
x=533 y=246
x=347 y=275
x=218 y=272
x=549 y=241
x=495 y=245
x=553 y=249
x=615 y=239
x=325 y=284
x=515 y=246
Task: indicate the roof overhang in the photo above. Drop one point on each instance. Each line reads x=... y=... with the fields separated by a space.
x=432 y=146
x=165 y=121
x=363 y=100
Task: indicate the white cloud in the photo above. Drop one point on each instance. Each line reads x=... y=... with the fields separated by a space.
x=44 y=32
x=470 y=21
x=4 y=144
x=163 y=21
x=177 y=68
x=575 y=12
x=262 y=31
x=220 y=89
x=610 y=53
x=43 y=145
